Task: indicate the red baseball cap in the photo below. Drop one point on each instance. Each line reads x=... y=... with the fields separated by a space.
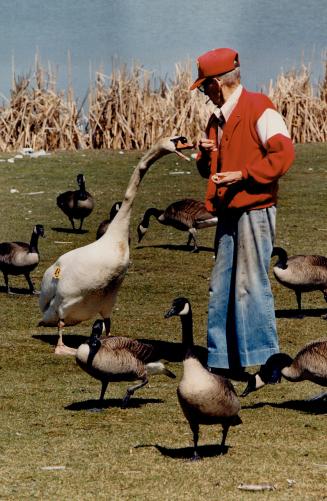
x=214 y=63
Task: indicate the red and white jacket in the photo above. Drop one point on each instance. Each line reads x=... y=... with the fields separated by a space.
x=255 y=141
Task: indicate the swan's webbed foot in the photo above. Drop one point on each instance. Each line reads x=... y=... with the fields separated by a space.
x=61 y=349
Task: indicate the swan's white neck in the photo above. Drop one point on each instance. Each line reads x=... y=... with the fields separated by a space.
x=122 y=218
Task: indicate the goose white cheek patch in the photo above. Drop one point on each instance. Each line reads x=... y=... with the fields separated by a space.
x=185 y=310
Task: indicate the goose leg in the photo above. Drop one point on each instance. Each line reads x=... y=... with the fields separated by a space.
x=324 y=317
x=192 y=236
x=103 y=391
x=195 y=431
x=30 y=284
x=223 y=440
x=298 y=299
x=5 y=276
x=80 y=226
x=61 y=349
x=130 y=391
x=72 y=223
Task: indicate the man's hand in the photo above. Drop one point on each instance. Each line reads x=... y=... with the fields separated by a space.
x=207 y=145
x=227 y=178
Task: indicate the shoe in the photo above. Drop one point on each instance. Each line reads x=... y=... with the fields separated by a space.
x=235 y=374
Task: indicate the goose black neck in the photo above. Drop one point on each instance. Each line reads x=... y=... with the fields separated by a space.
x=282 y=256
x=187 y=335
x=94 y=344
x=82 y=193
x=151 y=212
x=34 y=242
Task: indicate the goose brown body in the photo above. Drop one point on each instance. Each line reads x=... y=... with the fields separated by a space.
x=21 y=258
x=118 y=358
x=310 y=364
x=185 y=215
x=301 y=273
x=205 y=398
x=77 y=204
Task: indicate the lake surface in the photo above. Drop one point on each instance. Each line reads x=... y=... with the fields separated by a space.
x=270 y=36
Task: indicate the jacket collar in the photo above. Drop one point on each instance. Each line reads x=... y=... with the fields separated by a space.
x=236 y=115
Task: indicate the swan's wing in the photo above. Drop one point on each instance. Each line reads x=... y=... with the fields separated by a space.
x=48 y=287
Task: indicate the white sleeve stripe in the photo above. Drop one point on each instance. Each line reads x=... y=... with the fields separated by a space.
x=269 y=124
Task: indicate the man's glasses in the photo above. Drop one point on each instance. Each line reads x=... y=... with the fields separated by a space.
x=205 y=84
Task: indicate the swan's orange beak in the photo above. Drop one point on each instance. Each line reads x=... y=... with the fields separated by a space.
x=183 y=144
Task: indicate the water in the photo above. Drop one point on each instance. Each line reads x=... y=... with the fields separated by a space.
x=270 y=36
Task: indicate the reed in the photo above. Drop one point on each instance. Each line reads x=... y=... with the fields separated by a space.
x=130 y=109
x=303 y=107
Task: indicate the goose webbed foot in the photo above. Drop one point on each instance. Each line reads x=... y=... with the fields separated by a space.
x=195 y=456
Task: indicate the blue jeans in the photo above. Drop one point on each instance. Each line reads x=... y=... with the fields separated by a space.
x=241 y=317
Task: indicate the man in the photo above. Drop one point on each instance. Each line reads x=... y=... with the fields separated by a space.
x=247 y=148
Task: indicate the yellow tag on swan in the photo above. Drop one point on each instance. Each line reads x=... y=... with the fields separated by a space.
x=56 y=273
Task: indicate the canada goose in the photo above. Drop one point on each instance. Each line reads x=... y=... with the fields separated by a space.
x=205 y=398
x=302 y=273
x=76 y=204
x=85 y=281
x=20 y=258
x=309 y=364
x=185 y=215
x=104 y=224
x=116 y=358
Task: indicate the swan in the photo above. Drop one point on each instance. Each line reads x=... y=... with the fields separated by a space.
x=301 y=273
x=84 y=282
x=118 y=358
x=205 y=398
x=185 y=215
x=20 y=258
x=310 y=364
x=76 y=204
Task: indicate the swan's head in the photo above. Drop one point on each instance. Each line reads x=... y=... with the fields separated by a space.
x=269 y=373
x=174 y=145
x=180 y=307
x=39 y=230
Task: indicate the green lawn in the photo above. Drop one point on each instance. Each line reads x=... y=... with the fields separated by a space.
x=141 y=453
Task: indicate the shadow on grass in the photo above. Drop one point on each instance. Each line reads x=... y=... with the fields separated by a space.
x=170 y=247
x=72 y=340
x=17 y=291
x=204 y=451
x=294 y=313
x=172 y=352
x=309 y=406
x=93 y=405
x=69 y=230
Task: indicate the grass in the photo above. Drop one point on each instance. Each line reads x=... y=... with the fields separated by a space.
x=141 y=452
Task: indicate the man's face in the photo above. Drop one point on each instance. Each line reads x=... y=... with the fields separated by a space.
x=212 y=88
